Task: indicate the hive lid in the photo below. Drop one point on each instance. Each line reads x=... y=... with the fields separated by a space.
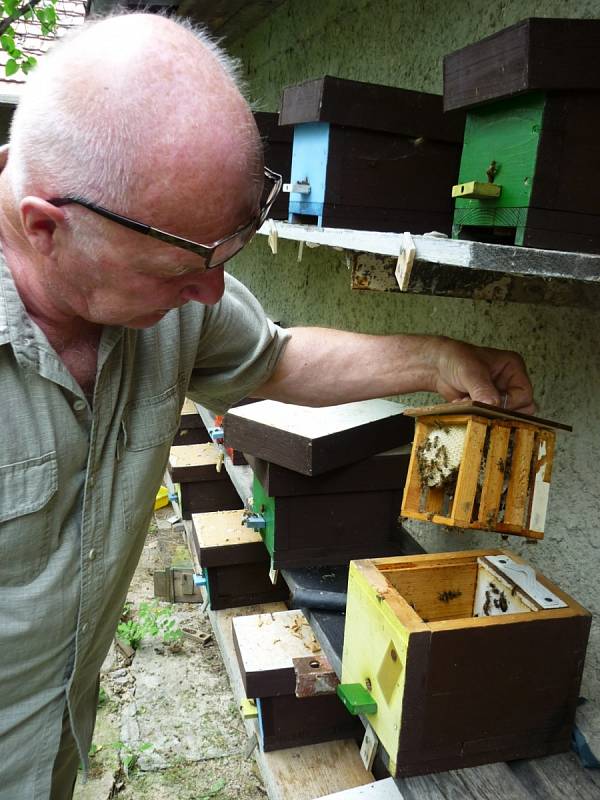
x=266 y=644
x=534 y=54
x=195 y=462
x=314 y=440
x=220 y=540
x=482 y=410
x=370 y=106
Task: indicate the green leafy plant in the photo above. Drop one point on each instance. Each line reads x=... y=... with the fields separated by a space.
x=43 y=11
x=102 y=697
x=152 y=620
x=128 y=755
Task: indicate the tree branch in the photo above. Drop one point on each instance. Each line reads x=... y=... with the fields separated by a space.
x=8 y=21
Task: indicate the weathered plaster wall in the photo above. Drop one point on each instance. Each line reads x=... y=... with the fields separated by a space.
x=401 y=42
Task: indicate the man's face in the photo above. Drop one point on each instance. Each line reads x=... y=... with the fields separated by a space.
x=136 y=287
x=133 y=280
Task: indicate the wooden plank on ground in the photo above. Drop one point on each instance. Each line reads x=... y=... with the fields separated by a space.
x=556 y=778
x=489 y=782
x=299 y=773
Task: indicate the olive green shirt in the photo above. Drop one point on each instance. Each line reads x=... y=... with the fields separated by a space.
x=77 y=485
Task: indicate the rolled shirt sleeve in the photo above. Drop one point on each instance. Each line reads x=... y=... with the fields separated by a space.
x=238 y=349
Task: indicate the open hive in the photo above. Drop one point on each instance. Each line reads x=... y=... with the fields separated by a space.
x=476 y=466
x=454 y=659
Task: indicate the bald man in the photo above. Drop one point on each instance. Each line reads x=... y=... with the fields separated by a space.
x=134 y=172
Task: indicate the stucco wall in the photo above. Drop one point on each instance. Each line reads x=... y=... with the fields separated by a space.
x=401 y=42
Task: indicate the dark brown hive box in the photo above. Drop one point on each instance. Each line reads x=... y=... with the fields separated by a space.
x=371 y=157
x=268 y=647
x=277 y=144
x=202 y=486
x=349 y=512
x=234 y=561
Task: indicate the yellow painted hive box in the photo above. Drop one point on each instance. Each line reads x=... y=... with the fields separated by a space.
x=461 y=659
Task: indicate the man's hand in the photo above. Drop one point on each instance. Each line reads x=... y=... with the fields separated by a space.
x=498 y=377
x=321 y=367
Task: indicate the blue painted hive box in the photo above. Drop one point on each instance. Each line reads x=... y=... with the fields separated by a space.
x=371 y=157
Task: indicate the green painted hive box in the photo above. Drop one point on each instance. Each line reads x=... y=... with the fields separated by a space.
x=531 y=153
x=461 y=659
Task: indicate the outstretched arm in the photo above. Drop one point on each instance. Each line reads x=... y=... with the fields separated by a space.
x=322 y=367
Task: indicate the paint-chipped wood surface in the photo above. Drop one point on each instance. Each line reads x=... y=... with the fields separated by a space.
x=193 y=455
x=222 y=529
x=266 y=645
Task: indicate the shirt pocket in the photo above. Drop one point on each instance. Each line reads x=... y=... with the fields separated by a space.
x=149 y=425
x=152 y=421
x=26 y=490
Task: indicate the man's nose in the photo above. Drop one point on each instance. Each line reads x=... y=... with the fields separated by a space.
x=207 y=288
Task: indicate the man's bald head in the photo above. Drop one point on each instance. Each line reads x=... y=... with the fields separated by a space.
x=143 y=115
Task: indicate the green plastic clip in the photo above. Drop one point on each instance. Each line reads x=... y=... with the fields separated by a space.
x=356 y=698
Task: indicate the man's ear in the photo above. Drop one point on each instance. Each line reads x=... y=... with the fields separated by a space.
x=40 y=220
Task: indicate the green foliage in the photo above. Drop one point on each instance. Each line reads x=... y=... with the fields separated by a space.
x=102 y=697
x=152 y=621
x=129 y=755
x=12 y=10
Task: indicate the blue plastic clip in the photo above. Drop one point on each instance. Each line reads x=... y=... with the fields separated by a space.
x=173 y=497
x=216 y=434
x=199 y=580
x=255 y=521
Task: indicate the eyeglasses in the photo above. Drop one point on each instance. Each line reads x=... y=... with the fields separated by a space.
x=213 y=254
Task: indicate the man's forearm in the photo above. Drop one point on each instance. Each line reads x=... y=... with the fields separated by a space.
x=320 y=367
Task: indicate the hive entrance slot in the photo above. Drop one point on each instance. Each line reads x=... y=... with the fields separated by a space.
x=488 y=234
x=304 y=219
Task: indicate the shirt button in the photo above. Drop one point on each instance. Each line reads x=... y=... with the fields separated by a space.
x=84 y=627
x=92 y=554
x=79 y=405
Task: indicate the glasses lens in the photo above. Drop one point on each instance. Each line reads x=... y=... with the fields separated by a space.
x=232 y=247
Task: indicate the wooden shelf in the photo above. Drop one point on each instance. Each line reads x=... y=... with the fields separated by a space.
x=383 y=262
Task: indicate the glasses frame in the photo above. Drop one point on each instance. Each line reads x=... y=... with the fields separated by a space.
x=206 y=251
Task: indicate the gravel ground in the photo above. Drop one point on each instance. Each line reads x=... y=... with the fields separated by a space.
x=168 y=725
